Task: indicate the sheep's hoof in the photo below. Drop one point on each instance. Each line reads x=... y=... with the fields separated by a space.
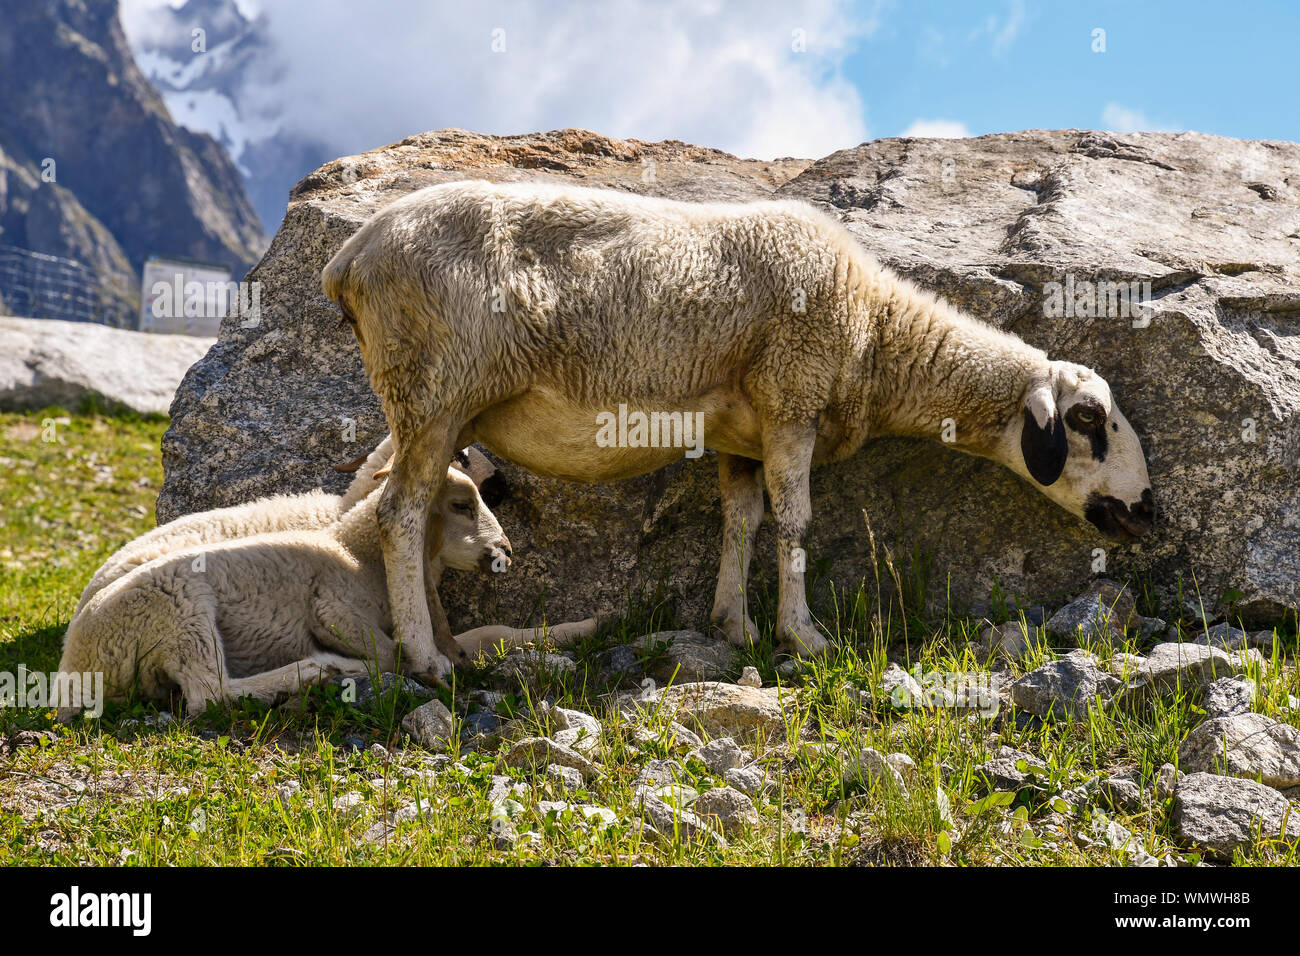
x=804 y=640
x=434 y=676
x=737 y=630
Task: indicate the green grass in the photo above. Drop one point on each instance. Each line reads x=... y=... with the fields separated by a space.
x=250 y=785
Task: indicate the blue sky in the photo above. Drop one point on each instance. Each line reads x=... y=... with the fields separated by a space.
x=1231 y=69
x=725 y=73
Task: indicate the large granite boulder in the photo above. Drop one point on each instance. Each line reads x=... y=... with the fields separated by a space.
x=1210 y=377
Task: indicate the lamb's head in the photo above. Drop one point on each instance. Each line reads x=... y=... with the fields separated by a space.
x=1077 y=446
x=470 y=535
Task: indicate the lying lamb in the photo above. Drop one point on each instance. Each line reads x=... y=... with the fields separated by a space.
x=267 y=614
x=517 y=314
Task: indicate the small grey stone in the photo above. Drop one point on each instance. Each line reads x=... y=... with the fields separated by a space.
x=430 y=725
x=367 y=691
x=1228 y=696
x=676 y=794
x=749 y=677
x=904 y=764
x=1244 y=745
x=1188 y=665
x=1167 y=778
x=1100 y=613
x=721 y=755
x=1001 y=773
x=732 y=809
x=1068 y=686
x=1128 y=666
x=1006 y=641
x=535 y=754
x=503 y=787
x=728 y=710
x=566 y=778
x=750 y=780
x=683 y=736
x=617 y=664
x=871 y=767
x=568 y=719
x=580 y=739
x=528 y=666
x=1220 y=814
x=658 y=772
x=899 y=687
x=1263 y=640
x=480 y=723
x=1222 y=635
x=350 y=804
x=587 y=813
x=1121 y=795
x=668 y=820
x=684 y=656
x=1149 y=627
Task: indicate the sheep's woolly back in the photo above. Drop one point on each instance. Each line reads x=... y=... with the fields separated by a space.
x=312 y=510
x=484 y=290
x=308 y=511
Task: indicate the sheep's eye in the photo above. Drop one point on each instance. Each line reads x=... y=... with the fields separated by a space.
x=1085 y=418
x=462 y=507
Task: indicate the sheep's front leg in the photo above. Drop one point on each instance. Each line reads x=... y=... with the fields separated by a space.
x=273 y=686
x=345 y=627
x=454 y=650
x=787 y=457
x=740 y=481
x=416 y=482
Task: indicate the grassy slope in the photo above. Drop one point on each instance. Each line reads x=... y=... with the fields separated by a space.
x=246 y=785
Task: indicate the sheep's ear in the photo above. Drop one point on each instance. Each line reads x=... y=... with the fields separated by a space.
x=1042 y=440
x=385 y=471
x=460 y=461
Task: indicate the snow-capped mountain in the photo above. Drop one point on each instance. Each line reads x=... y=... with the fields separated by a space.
x=214 y=66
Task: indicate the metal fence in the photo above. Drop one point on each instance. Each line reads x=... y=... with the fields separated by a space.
x=51 y=287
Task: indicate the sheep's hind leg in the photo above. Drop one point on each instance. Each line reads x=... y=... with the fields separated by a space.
x=740 y=481
x=787 y=457
x=475 y=641
x=417 y=479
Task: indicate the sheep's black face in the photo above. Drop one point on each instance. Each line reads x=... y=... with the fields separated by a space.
x=1078 y=447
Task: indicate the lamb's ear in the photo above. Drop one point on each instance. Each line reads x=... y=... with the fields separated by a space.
x=478 y=465
x=1042 y=440
x=386 y=470
x=460 y=461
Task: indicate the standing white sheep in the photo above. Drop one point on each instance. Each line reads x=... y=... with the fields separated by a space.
x=516 y=314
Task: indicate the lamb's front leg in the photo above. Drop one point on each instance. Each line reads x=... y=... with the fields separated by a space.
x=740 y=480
x=787 y=457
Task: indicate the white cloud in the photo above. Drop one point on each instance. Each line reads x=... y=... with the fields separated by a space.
x=1121 y=119
x=937 y=128
x=1002 y=33
x=719 y=72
